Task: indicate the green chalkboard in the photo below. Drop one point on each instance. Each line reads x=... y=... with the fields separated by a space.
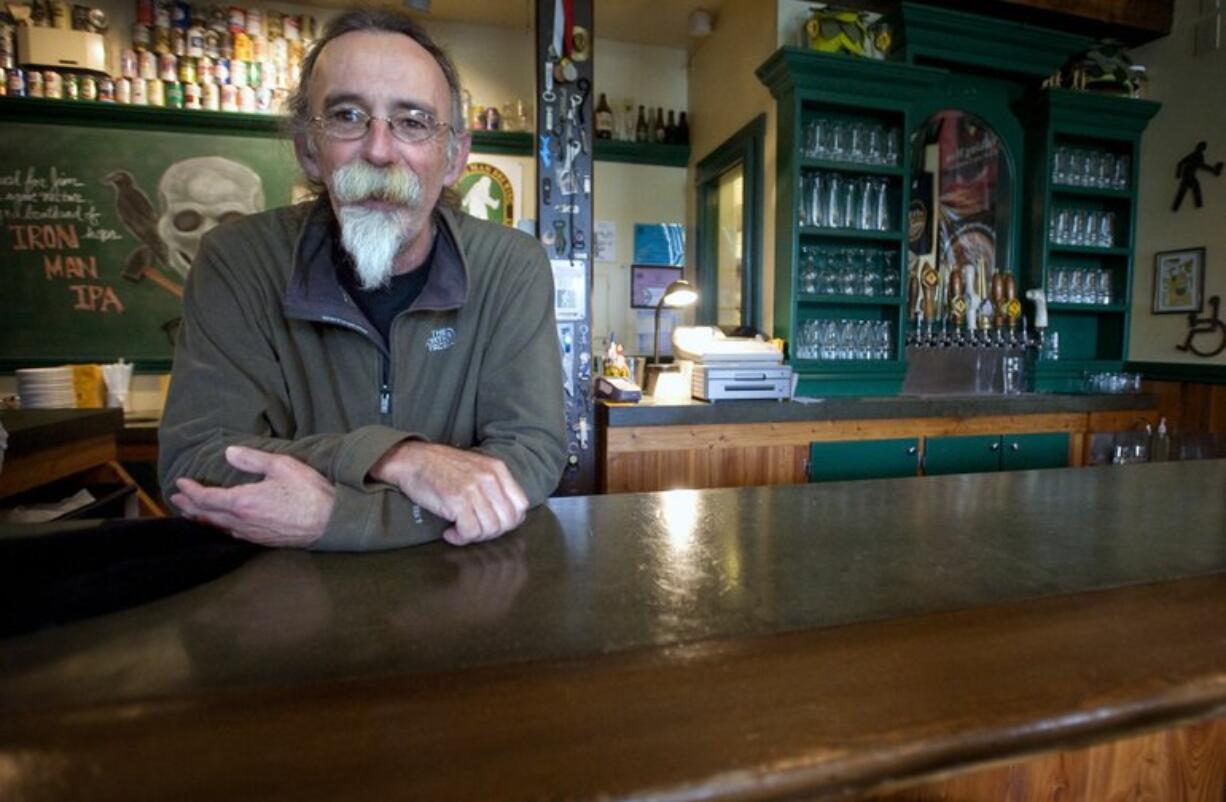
x=99 y=218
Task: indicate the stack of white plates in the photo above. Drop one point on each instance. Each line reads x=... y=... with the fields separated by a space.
x=46 y=388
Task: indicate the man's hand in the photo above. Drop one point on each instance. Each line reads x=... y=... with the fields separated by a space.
x=289 y=507
x=475 y=492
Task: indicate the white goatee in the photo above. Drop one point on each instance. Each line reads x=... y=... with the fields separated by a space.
x=373 y=237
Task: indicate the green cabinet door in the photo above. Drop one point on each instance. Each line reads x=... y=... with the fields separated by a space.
x=1024 y=452
x=863 y=459
x=962 y=454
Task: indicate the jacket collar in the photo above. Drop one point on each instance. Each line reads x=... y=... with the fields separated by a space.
x=315 y=293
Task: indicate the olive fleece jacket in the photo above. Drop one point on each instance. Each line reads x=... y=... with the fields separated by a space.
x=273 y=354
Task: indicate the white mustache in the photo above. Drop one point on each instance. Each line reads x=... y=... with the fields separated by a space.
x=359 y=181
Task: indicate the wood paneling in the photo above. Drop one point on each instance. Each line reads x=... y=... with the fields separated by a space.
x=1190 y=407
x=24 y=471
x=1183 y=764
x=705 y=468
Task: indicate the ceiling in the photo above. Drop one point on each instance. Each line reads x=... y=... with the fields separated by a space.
x=649 y=22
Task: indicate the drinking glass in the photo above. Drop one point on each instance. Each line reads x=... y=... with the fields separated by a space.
x=828 y=269
x=834 y=198
x=1119 y=172
x=816 y=188
x=850 y=187
x=876 y=144
x=1062 y=224
x=868 y=204
x=1106 y=229
x=849 y=280
x=1076 y=165
x=838 y=141
x=1102 y=286
x=1077 y=228
x=1076 y=286
x=1059 y=166
x=874 y=273
x=890 y=276
x=808 y=270
x=891 y=145
x=883 y=339
x=882 y=213
x=1059 y=285
x=858 y=144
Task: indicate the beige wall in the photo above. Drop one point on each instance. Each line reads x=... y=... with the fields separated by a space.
x=725 y=95
x=1190 y=88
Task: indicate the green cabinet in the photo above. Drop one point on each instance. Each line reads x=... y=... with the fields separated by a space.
x=863 y=459
x=987 y=453
x=1083 y=210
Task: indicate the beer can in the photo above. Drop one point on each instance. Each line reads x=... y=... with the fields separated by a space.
x=226 y=45
x=88 y=87
x=255 y=74
x=195 y=41
x=129 y=64
x=123 y=90
x=289 y=27
x=259 y=48
x=7 y=48
x=144 y=12
x=238 y=19
x=274 y=24
x=279 y=99
x=242 y=47
x=106 y=90
x=156 y=90
x=178 y=41
x=140 y=92
x=191 y=96
x=263 y=99
x=221 y=71
x=174 y=94
x=146 y=66
x=80 y=19
x=255 y=22
x=161 y=14
x=212 y=44
x=34 y=84
x=279 y=50
x=239 y=75
x=53 y=85
x=229 y=97
x=210 y=97
x=161 y=40
x=15 y=82
x=141 y=37
x=181 y=15
x=72 y=90
x=187 y=70
x=168 y=67
x=246 y=99
x=306 y=27
x=60 y=16
x=204 y=70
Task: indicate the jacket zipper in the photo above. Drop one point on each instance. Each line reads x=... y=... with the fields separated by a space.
x=385 y=387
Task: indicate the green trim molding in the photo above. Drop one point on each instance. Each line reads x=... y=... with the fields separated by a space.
x=1180 y=372
x=940 y=36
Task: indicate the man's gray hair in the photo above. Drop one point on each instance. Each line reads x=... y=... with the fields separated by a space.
x=377 y=20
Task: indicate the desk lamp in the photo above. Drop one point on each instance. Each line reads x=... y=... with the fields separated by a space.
x=677 y=295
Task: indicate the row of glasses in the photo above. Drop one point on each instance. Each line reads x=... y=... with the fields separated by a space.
x=833 y=200
x=1085 y=167
x=858 y=141
x=869 y=272
x=1113 y=382
x=1080 y=285
x=845 y=339
x=1083 y=227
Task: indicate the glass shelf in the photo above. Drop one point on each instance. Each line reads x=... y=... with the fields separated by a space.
x=1088 y=249
x=849 y=233
x=850 y=167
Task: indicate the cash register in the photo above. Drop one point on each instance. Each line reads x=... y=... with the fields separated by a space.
x=728 y=367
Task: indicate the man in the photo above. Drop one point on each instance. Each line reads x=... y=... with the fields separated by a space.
x=373 y=369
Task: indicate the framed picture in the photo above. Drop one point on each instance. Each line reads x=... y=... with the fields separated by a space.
x=648 y=283
x=1179 y=281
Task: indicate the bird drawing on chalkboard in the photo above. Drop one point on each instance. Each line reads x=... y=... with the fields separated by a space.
x=141 y=219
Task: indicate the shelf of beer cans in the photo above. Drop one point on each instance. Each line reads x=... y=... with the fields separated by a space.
x=192 y=57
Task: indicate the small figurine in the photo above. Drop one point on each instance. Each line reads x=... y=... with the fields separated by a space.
x=1186 y=171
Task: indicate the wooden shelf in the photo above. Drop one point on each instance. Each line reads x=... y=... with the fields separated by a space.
x=614 y=150
x=851 y=167
x=849 y=233
x=859 y=300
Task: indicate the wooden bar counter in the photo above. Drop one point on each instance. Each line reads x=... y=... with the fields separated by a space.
x=1053 y=634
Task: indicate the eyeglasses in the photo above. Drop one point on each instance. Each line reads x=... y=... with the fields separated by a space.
x=410 y=126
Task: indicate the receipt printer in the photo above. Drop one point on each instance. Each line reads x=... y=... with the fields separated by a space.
x=617 y=389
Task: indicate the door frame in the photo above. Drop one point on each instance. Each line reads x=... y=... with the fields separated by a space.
x=747 y=148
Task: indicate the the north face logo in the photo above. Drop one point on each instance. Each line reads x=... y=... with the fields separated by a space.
x=441 y=339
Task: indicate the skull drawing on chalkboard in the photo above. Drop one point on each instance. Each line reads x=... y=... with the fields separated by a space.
x=197 y=195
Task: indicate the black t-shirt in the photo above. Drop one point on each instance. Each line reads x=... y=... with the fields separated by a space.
x=382 y=305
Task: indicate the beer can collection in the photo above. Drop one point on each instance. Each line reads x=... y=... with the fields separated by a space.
x=181 y=55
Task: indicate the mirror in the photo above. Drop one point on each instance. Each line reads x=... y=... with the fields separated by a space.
x=961 y=205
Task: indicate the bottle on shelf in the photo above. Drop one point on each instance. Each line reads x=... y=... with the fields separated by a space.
x=641 y=132
x=661 y=133
x=683 y=131
x=604 y=118
x=670 y=128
